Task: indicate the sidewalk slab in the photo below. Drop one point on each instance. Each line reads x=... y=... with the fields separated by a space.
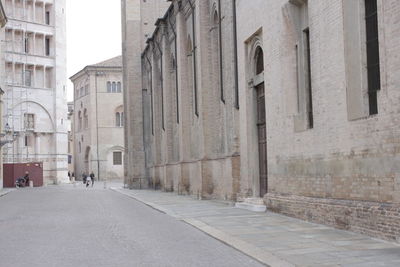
x=271 y=238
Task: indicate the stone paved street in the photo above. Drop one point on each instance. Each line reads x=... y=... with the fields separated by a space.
x=71 y=226
x=272 y=238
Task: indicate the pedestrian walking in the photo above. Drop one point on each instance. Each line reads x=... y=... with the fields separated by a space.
x=92 y=178
x=73 y=177
x=84 y=178
x=87 y=181
x=69 y=176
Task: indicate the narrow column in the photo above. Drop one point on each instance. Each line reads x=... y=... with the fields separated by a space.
x=33 y=81
x=34 y=44
x=34 y=11
x=44 y=77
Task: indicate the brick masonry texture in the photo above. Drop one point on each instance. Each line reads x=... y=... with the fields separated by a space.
x=377 y=219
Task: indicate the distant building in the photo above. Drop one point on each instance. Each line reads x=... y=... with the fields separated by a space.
x=35 y=105
x=98 y=120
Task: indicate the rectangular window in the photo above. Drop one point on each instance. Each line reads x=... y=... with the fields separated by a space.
x=48 y=17
x=26 y=140
x=372 y=42
x=26 y=45
x=47 y=48
x=28 y=78
x=117 y=158
x=69 y=159
x=29 y=121
x=308 y=77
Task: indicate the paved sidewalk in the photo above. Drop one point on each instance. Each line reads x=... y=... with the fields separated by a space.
x=271 y=238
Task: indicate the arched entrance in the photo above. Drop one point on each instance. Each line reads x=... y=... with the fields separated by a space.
x=261 y=119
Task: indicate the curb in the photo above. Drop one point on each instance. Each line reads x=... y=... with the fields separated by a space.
x=5 y=192
x=250 y=250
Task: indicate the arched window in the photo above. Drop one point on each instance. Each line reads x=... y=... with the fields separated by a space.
x=85 y=119
x=119 y=87
x=79 y=120
x=80 y=147
x=118 y=119
x=122 y=119
x=259 y=61
x=114 y=87
x=108 y=87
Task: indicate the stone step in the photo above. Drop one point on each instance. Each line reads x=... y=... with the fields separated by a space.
x=253 y=204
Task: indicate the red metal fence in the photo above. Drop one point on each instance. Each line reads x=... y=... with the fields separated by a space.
x=13 y=171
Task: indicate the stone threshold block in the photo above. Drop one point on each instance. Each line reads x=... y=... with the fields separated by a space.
x=252 y=204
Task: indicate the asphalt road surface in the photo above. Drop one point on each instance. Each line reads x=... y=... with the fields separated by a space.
x=72 y=226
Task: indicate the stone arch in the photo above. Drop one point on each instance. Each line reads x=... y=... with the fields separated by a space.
x=41 y=107
x=255 y=46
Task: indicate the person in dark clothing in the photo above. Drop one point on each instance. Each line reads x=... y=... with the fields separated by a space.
x=26 y=178
x=84 y=178
x=69 y=175
x=92 y=178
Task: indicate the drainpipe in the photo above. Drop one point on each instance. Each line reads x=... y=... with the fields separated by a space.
x=196 y=111
x=162 y=83
x=221 y=74
x=151 y=93
x=235 y=48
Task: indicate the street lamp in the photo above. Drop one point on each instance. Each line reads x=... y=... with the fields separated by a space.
x=7 y=133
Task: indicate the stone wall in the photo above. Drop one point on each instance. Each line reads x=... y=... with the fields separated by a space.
x=377 y=219
x=192 y=131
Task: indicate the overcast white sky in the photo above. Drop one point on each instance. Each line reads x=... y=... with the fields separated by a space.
x=93 y=34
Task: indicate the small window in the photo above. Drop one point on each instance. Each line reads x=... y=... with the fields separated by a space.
x=114 y=87
x=26 y=45
x=118 y=119
x=69 y=159
x=80 y=147
x=109 y=87
x=29 y=121
x=28 y=78
x=117 y=158
x=48 y=17
x=26 y=140
x=119 y=87
x=47 y=48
